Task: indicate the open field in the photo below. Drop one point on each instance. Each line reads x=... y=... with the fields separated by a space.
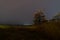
x=45 y=31
x=19 y=34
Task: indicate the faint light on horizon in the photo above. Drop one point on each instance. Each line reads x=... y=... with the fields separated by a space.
x=27 y=24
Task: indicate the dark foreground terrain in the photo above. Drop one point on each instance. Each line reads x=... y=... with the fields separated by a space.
x=21 y=34
x=46 y=31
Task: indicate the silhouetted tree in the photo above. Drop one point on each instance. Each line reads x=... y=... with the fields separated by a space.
x=57 y=17
x=39 y=17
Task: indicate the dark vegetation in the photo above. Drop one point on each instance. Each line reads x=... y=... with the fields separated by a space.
x=21 y=34
x=45 y=31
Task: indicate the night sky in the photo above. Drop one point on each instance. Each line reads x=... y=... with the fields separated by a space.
x=21 y=11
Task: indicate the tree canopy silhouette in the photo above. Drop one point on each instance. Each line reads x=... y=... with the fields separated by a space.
x=39 y=17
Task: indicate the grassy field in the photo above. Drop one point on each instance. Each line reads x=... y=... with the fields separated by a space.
x=45 y=31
